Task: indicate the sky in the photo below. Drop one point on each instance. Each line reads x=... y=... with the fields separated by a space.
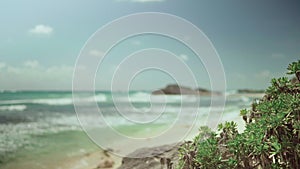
x=41 y=40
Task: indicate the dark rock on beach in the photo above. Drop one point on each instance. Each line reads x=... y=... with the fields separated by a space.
x=106 y=163
x=162 y=157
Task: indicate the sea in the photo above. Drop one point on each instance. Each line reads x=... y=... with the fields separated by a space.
x=36 y=126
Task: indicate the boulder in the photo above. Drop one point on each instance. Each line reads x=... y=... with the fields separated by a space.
x=106 y=163
x=162 y=157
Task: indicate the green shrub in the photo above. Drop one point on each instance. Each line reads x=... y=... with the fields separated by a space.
x=270 y=140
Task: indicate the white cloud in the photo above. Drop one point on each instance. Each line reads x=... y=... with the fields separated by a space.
x=31 y=64
x=141 y=1
x=41 y=30
x=2 y=65
x=12 y=70
x=184 y=57
x=96 y=53
x=32 y=75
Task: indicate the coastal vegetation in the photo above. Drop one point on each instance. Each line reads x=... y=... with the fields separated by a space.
x=270 y=139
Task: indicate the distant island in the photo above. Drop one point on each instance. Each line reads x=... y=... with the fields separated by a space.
x=248 y=91
x=174 y=89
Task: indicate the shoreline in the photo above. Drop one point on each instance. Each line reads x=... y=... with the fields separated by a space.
x=92 y=156
x=83 y=158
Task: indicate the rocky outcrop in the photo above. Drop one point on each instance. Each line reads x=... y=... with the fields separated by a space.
x=162 y=157
x=243 y=91
x=175 y=89
x=205 y=92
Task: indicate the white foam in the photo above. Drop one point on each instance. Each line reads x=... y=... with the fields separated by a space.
x=57 y=101
x=148 y=97
x=13 y=108
x=96 y=98
x=54 y=101
x=18 y=135
x=245 y=99
x=230 y=92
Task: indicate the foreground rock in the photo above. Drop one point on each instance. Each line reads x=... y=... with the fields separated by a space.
x=106 y=163
x=162 y=157
x=175 y=89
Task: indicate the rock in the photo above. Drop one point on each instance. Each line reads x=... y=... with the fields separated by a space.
x=175 y=89
x=106 y=152
x=105 y=163
x=162 y=157
x=205 y=92
x=202 y=90
x=158 y=92
x=245 y=91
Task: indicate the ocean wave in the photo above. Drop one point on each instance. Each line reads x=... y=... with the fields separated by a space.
x=148 y=97
x=96 y=98
x=241 y=99
x=61 y=101
x=13 y=108
x=57 y=101
x=230 y=92
x=54 y=101
x=138 y=97
x=15 y=136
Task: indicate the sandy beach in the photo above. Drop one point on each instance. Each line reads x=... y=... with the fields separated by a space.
x=94 y=160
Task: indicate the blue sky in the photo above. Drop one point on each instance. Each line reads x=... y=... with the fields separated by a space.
x=40 y=40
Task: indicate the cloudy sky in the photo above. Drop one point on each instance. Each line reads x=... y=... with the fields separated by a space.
x=40 y=40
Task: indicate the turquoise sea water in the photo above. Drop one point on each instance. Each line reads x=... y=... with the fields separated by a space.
x=35 y=125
